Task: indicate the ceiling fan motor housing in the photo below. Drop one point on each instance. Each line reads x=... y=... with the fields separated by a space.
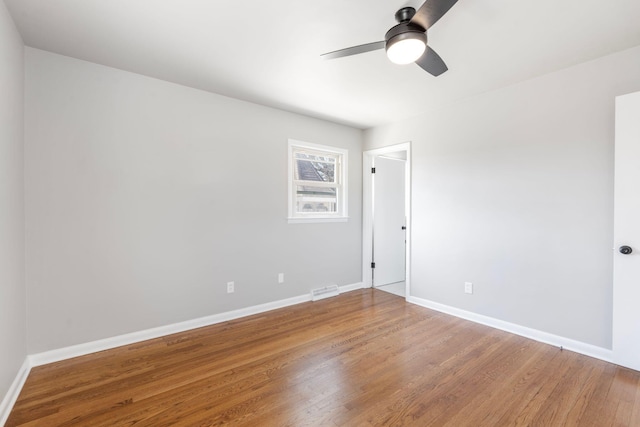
x=403 y=31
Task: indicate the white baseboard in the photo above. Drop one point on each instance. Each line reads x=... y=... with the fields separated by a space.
x=534 y=334
x=134 y=337
x=14 y=390
x=352 y=287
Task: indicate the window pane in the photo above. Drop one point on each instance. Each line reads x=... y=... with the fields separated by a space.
x=317 y=176
x=312 y=167
x=316 y=199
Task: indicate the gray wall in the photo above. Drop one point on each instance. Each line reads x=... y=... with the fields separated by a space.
x=12 y=287
x=513 y=191
x=144 y=198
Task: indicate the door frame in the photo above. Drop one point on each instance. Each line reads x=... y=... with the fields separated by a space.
x=368 y=161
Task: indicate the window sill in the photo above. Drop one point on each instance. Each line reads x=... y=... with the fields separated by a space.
x=298 y=220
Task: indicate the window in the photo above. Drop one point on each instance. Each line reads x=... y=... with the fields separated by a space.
x=317 y=183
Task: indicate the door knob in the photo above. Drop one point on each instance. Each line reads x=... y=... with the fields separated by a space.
x=625 y=250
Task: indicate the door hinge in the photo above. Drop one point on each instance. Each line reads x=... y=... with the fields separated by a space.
x=373 y=265
x=373 y=170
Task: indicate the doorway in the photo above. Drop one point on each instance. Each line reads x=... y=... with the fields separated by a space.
x=386 y=219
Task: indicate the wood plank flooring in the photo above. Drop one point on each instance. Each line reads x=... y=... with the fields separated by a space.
x=364 y=358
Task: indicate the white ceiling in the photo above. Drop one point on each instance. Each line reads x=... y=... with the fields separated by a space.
x=268 y=52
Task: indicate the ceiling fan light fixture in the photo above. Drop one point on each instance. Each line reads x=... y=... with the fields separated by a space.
x=406 y=42
x=406 y=48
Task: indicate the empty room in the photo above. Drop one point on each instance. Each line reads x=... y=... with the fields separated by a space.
x=330 y=213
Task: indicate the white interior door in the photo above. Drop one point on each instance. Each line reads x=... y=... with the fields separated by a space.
x=389 y=235
x=626 y=268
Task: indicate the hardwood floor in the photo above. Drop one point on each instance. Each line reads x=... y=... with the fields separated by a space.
x=364 y=358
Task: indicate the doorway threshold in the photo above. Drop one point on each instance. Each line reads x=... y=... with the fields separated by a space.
x=397 y=288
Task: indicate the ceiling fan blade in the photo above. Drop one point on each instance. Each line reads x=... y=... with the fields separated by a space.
x=354 y=50
x=431 y=62
x=431 y=11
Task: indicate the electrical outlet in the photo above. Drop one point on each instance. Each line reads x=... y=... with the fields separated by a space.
x=231 y=287
x=468 y=287
x=280 y=277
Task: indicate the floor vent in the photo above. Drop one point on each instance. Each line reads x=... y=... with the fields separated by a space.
x=326 y=292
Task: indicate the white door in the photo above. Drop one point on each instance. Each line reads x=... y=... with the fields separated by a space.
x=389 y=221
x=626 y=268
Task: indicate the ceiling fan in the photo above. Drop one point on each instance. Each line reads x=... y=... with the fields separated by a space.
x=406 y=42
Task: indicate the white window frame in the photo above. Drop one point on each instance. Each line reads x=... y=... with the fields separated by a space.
x=341 y=184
